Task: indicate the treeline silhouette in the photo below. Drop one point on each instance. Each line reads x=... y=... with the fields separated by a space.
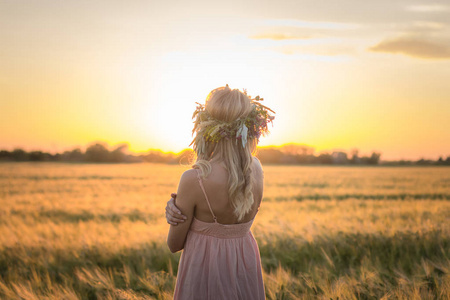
x=95 y=153
x=289 y=154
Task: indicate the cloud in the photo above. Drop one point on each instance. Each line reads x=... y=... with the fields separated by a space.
x=337 y=49
x=415 y=47
x=295 y=29
x=325 y=41
x=428 y=25
x=428 y=8
x=279 y=36
x=308 y=24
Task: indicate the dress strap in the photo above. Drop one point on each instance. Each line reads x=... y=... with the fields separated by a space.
x=204 y=192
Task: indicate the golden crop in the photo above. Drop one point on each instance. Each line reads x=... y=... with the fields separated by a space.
x=98 y=231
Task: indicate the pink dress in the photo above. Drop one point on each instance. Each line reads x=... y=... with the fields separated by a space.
x=219 y=261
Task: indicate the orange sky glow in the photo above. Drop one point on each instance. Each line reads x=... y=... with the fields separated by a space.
x=367 y=75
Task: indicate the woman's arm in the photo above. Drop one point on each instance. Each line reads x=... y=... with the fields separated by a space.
x=173 y=214
x=186 y=203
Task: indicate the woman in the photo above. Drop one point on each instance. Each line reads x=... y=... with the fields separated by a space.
x=220 y=198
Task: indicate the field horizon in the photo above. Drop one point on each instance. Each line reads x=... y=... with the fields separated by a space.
x=287 y=154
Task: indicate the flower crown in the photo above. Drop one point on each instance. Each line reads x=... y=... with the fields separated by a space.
x=209 y=129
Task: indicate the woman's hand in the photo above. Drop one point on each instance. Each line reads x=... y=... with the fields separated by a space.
x=173 y=214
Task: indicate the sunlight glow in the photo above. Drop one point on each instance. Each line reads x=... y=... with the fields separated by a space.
x=76 y=73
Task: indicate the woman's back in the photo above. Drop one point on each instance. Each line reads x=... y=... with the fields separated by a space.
x=216 y=189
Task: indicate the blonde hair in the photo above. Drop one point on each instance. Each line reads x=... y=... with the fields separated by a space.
x=229 y=105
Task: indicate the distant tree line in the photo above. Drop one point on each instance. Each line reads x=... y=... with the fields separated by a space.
x=294 y=154
x=95 y=153
x=290 y=154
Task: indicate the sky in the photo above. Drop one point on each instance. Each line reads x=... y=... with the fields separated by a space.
x=340 y=75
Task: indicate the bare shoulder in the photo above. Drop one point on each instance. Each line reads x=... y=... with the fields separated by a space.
x=188 y=178
x=189 y=175
x=186 y=186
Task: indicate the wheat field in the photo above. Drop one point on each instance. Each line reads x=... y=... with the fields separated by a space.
x=97 y=231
